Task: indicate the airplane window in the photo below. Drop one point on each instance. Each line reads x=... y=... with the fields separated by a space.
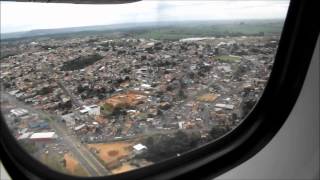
x=95 y=90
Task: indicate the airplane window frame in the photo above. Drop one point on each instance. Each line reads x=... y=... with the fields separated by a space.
x=291 y=63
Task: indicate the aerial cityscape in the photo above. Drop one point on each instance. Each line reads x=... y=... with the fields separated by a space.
x=94 y=103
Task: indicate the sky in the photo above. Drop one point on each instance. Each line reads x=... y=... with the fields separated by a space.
x=17 y=16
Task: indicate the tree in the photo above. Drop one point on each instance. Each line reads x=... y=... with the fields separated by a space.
x=217 y=132
x=180 y=94
x=163 y=146
x=106 y=109
x=29 y=146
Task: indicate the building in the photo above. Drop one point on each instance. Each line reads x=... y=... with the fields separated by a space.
x=139 y=148
x=41 y=139
x=45 y=137
x=69 y=119
x=25 y=136
x=38 y=124
x=91 y=110
x=18 y=112
x=81 y=128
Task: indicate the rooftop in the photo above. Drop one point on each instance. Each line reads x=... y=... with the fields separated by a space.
x=139 y=147
x=43 y=135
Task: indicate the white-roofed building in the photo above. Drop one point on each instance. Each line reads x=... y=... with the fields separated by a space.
x=77 y=128
x=19 y=112
x=139 y=148
x=43 y=136
x=14 y=92
x=91 y=110
x=225 y=106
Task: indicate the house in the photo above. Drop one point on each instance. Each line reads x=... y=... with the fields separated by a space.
x=181 y=124
x=81 y=128
x=139 y=148
x=69 y=119
x=93 y=110
x=225 y=106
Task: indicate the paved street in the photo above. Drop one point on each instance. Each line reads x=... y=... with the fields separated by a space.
x=91 y=165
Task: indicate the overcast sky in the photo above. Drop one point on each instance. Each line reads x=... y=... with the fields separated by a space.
x=27 y=16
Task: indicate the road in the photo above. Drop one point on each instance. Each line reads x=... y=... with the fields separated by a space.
x=74 y=100
x=88 y=161
x=80 y=151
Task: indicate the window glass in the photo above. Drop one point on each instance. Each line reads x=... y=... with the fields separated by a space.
x=93 y=90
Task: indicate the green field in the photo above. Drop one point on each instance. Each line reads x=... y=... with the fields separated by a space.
x=167 y=30
x=227 y=58
x=203 y=30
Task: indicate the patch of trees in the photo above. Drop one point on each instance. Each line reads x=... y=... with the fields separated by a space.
x=80 y=62
x=54 y=161
x=164 y=63
x=6 y=84
x=90 y=92
x=29 y=146
x=108 y=110
x=241 y=70
x=48 y=47
x=65 y=105
x=217 y=132
x=6 y=54
x=163 y=146
x=249 y=100
x=45 y=90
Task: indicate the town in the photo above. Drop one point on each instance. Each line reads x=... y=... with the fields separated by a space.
x=95 y=105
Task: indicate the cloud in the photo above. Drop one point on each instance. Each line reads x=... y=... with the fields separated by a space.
x=17 y=16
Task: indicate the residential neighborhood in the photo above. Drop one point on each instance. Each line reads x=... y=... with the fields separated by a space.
x=95 y=105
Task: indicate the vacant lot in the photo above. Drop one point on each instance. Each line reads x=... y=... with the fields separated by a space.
x=53 y=161
x=112 y=152
x=126 y=99
x=207 y=97
x=73 y=166
x=123 y=168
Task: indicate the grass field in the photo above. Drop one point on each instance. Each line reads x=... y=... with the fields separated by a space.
x=54 y=162
x=203 y=30
x=227 y=58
